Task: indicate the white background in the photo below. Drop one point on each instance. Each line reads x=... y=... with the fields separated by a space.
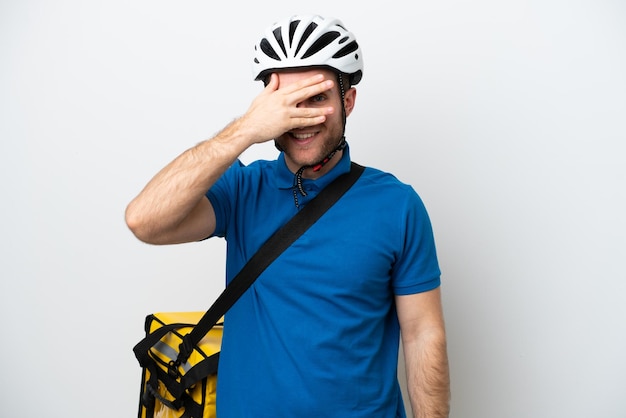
x=508 y=118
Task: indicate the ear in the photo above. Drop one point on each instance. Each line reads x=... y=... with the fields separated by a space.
x=349 y=99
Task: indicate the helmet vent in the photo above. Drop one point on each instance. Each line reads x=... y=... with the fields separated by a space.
x=268 y=50
x=348 y=49
x=305 y=36
x=292 y=30
x=322 y=42
x=279 y=38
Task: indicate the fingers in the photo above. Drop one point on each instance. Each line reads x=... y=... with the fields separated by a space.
x=308 y=116
x=307 y=88
x=294 y=93
x=303 y=122
x=277 y=108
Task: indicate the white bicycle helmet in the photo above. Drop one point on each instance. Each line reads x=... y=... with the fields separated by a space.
x=308 y=41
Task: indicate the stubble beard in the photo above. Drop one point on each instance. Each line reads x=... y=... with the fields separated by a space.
x=329 y=145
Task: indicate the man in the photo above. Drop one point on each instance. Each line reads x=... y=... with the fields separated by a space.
x=317 y=334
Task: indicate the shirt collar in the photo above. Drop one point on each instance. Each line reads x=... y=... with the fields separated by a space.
x=284 y=178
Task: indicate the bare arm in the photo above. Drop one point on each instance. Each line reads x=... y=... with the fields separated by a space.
x=425 y=353
x=172 y=208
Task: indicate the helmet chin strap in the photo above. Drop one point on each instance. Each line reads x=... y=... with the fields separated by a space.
x=297 y=187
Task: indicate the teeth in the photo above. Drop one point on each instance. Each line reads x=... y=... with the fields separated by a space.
x=302 y=136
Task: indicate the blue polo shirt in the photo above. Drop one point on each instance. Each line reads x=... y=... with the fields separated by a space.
x=317 y=334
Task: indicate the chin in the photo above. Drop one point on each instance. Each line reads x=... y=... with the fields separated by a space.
x=302 y=161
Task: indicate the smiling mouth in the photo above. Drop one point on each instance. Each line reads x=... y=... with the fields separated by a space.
x=302 y=136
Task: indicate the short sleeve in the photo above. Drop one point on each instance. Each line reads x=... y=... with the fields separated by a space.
x=417 y=268
x=223 y=195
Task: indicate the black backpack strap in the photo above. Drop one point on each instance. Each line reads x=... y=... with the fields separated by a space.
x=269 y=251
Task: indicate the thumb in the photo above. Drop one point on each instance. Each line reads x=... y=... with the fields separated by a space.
x=272 y=85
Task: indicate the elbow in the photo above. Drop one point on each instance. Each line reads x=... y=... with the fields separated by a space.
x=138 y=224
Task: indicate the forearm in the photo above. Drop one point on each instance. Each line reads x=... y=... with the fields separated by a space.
x=174 y=192
x=171 y=208
x=428 y=378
